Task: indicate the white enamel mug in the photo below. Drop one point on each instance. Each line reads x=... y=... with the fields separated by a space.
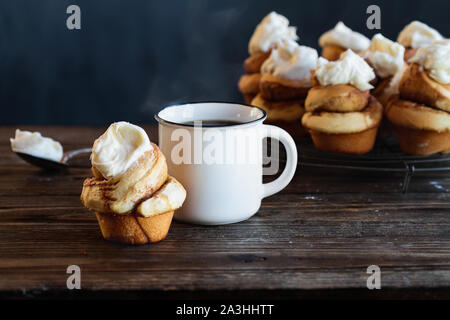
x=221 y=167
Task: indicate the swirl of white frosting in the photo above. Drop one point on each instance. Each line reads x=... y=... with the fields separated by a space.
x=119 y=148
x=435 y=59
x=291 y=61
x=418 y=35
x=273 y=28
x=33 y=143
x=349 y=69
x=344 y=37
x=385 y=56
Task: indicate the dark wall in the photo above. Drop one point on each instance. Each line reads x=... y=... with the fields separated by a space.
x=133 y=57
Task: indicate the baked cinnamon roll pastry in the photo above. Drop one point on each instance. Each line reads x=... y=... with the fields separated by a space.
x=332 y=52
x=420 y=113
x=338 y=40
x=283 y=114
x=286 y=75
x=275 y=88
x=419 y=86
x=273 y=28
x=249 y=86
x=341 y=115
x=253 y=63
x=417 y=35
x=336 y=98
x=351 y=132
x=284 y=85
x=131 y=192
x=387 y=59
x=421 y=130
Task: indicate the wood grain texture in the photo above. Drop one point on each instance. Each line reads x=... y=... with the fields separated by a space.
x=322 y=232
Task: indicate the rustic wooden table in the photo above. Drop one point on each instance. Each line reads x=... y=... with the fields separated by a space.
x=317 y=237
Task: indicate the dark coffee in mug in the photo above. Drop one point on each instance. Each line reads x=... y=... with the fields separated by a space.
x=213 y=123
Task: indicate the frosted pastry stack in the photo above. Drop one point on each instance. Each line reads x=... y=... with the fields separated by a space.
x=131 y=192
x=341 y=115
x=387 y=59
x=284 y=85
x=421 y=112
x=340 y=39
x=283 y=75
x=417 y=35
x=273 y=28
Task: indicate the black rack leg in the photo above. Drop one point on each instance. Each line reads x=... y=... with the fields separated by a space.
x=409 y=173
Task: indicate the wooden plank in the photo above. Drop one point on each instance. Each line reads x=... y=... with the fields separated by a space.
x=322 y=232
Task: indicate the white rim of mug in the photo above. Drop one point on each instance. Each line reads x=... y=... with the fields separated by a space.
x=167 y=122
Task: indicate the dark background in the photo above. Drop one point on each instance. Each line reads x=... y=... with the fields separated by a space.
x=131 y=58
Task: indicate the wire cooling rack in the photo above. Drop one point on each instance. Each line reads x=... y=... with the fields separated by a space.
x=385 y=157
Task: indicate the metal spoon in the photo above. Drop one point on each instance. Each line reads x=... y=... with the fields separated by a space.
x=54 y=165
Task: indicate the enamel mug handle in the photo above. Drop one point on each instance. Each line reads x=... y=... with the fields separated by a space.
x=291 y=164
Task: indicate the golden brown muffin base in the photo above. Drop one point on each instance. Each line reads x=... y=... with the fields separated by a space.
x=337 y=98
x=332 y=52
x=279 y=89
x=249 y=83
x=417 y=86
x=253 y=63
x=422 y=142
x=352 y=143
x=130 y=229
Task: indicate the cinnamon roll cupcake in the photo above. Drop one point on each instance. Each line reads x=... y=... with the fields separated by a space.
x=273 y=28
x=131 y=192
x=340 y=39
x=285 y=82
x=341 y=115
x=421 y=111
x=387 y=59
x=417 y=35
